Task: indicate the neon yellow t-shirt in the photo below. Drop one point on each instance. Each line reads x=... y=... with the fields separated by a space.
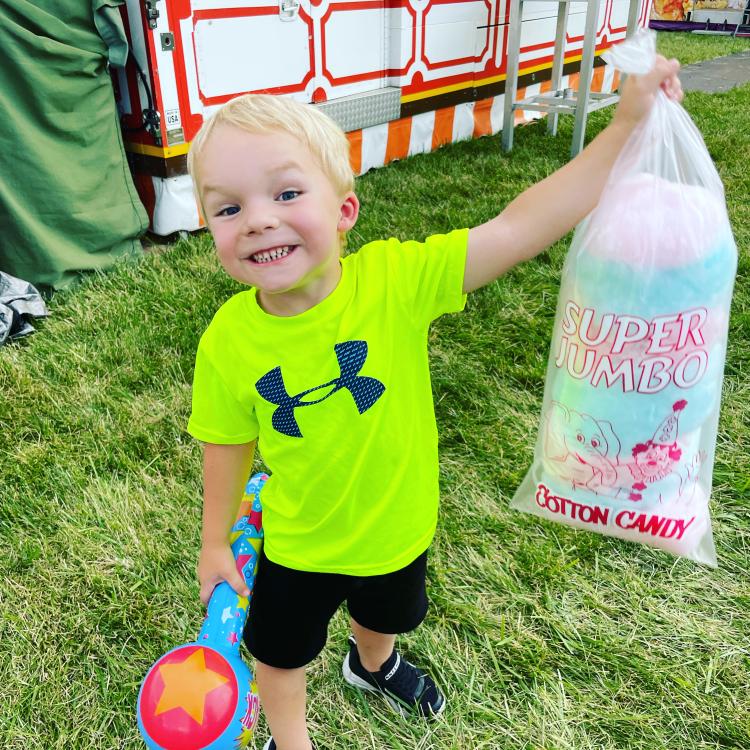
x=339 y=398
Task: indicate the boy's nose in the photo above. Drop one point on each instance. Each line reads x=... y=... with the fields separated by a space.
x=260 y=221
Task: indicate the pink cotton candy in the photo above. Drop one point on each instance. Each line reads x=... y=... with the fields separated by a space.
x=647 y=221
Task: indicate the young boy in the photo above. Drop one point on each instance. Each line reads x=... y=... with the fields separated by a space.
x=323 y=361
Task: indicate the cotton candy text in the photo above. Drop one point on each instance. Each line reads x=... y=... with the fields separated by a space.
x=648 y=524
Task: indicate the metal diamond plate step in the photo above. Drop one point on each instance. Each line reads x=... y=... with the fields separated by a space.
x=365 y=109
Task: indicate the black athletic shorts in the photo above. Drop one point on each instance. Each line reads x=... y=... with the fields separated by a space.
x=287 y=623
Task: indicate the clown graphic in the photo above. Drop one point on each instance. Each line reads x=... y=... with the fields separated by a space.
x=658 y=457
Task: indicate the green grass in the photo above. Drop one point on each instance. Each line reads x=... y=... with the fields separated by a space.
x=691 y=48
x=544 y=638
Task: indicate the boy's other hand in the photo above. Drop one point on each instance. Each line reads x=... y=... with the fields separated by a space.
x=217 y=564
x=639 y=92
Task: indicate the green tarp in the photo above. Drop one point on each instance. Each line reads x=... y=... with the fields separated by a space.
x=67 y=200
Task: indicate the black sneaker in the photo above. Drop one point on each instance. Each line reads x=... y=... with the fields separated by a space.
x=271 y=744
x=408 y=689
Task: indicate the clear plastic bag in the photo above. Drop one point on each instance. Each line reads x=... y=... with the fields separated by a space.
x=631 y=403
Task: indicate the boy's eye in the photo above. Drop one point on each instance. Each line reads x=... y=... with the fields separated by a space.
x=288 y=195
x=228 y=211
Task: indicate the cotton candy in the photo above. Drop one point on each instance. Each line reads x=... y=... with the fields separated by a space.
x=631 y=404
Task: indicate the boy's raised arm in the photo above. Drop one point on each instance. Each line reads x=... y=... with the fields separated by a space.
x=548 y=210
x=226 y=469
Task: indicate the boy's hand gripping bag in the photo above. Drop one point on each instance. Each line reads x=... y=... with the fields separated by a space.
x=631 y=401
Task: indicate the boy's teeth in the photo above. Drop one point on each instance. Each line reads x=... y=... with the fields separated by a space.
x=268 y=255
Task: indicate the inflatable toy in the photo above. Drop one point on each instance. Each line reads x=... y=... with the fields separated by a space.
x=201 y=695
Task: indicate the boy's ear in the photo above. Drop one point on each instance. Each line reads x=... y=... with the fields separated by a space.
x=349 y=212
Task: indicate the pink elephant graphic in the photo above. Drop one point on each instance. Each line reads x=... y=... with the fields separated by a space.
x=586 y=452
x=581 y=449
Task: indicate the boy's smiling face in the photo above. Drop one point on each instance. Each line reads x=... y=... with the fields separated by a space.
x=274 y=215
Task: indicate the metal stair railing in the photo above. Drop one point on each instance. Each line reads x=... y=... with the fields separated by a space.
x=558 y=101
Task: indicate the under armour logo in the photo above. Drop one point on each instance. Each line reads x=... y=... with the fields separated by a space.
x=351 y=356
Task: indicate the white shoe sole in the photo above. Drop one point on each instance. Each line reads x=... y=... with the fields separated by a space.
x=358 y=682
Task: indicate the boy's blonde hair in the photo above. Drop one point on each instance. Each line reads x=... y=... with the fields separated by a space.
x=265 y=113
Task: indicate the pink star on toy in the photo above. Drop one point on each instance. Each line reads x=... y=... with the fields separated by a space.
x=242 y=561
